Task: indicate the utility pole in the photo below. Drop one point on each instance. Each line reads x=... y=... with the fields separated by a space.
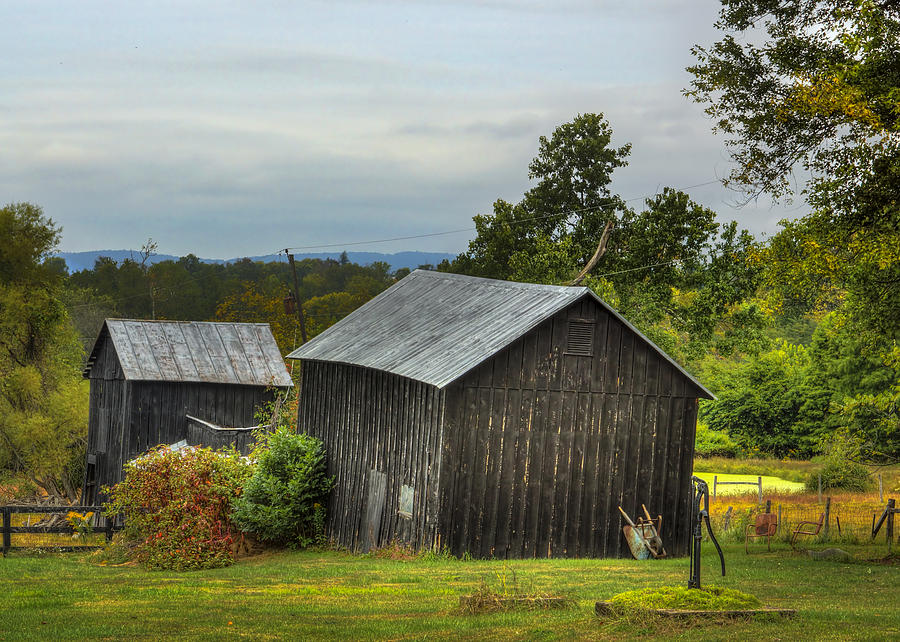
x=297 y=296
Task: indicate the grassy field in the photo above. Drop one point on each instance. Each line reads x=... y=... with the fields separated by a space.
x=770 y=484
x=334 y=595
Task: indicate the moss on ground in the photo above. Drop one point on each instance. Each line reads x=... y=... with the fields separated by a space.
x=711 y=598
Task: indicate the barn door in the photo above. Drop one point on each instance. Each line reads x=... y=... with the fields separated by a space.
x=374 y=509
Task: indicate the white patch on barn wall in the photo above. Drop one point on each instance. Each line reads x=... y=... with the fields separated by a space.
x=407 y=497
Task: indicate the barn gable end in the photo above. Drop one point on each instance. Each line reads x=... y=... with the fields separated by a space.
x=546 y=444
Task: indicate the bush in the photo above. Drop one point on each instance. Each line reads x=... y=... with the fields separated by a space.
x=283 y=502
x=842 y=474
x=713 y=443
x=176 y=506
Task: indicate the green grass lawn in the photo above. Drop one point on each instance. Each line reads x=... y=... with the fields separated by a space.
x=333 y=595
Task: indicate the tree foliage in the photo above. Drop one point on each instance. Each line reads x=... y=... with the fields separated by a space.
x=43 y=402
x=671 y=268
x=833 y=395
x=768 y=405
x=805 y=81
x=243 y=291
x=569 y=205
x=817 y=84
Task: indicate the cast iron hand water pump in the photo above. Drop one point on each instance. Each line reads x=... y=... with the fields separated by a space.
x=700 y=515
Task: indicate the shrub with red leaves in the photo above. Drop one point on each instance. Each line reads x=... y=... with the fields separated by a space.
x=176 y=506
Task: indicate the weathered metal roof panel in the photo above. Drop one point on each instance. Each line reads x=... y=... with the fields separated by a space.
x=212 y=352
x=434 y=327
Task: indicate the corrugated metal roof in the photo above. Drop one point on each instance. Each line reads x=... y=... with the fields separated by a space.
x=434 y=327
x=212 y=352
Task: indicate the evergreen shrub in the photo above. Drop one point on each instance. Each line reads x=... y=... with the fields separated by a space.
x=284 y=501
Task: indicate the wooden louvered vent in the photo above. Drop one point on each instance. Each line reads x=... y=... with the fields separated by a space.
x=581 y=338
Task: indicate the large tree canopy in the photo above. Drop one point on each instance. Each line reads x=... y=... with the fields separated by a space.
x=671 y=268
x=570 y=204
x=800 y=81
x=817 y=85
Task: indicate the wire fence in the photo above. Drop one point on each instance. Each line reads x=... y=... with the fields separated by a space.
x=850 y=522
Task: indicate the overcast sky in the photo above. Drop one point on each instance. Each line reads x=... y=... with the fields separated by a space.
x=236 y=128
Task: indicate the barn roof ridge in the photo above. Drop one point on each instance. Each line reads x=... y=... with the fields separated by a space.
x=394 y=332
x=193 y=351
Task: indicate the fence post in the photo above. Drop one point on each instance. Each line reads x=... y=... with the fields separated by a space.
x=827 y=514
x=715 y=481
x=820 y=488
x=727 y=519
x=7 y=524
x=890 y=525
x=779 y=516
x=759 y=484
x=880 y=489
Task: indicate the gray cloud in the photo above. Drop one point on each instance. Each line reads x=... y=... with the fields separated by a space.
x=224 y=130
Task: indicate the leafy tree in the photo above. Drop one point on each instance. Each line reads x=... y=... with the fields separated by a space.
x=571 y=203
x=671 y=269
x=43 y=402
x=804 y=81
x=833 y=396
x=817 y=84
x=871 y=420
x=672 y=264
x=324 y=311
x=87 y=311
x=768 y=405
x=250 y=305
x=177 y=295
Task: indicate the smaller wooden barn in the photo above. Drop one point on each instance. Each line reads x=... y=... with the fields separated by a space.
x=499 y=419
x=158 y=382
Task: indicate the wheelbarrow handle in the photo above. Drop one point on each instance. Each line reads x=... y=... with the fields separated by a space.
x=627 y=518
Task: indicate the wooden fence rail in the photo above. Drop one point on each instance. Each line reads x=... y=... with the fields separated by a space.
x=757 y=483
x=7 y=529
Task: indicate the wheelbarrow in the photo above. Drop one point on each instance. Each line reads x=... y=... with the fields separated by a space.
x=644 y=537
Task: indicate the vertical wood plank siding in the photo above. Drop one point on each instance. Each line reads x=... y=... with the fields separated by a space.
x=372 y=420
x=529 y=454
x=541 y=447
x=107 y=441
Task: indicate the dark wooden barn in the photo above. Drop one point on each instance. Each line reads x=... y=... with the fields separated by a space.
x=500 y=419
x=148 y=377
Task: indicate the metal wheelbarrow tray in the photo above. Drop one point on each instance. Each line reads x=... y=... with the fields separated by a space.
x=643 y=537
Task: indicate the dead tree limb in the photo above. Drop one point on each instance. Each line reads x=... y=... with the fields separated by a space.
x=601 y=250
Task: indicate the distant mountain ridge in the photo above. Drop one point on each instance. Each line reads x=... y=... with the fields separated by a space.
x=77 y=261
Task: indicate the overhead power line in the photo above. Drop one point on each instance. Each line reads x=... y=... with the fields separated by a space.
x=199 y=278
x=472 y=227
